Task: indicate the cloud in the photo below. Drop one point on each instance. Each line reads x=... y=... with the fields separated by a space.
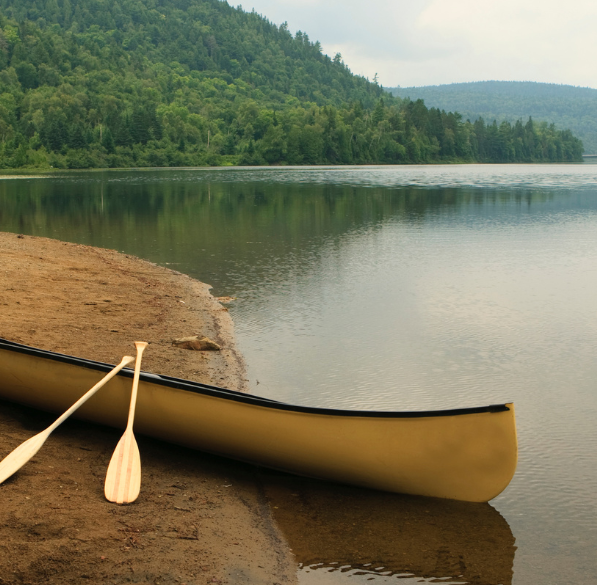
x=423 y=42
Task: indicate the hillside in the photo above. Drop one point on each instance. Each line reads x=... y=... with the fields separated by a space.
x=102 y=83
x=567 y=106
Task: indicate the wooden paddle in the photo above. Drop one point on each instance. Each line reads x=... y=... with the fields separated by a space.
x=15 y=460
x=123 y=478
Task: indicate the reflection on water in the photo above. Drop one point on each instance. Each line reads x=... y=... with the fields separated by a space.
x=341 y=534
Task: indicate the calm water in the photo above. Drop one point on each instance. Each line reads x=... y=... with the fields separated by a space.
x=390 y=288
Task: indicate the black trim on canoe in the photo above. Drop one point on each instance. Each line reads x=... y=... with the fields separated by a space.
x=215 y=391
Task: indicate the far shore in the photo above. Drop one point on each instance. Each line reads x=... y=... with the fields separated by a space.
x=32 y=173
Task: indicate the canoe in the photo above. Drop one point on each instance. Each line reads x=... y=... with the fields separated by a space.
x=465 y=454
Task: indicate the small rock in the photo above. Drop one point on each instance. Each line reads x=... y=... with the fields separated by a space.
x=196 y=343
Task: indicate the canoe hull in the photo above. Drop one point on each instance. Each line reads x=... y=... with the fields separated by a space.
x=468 y=454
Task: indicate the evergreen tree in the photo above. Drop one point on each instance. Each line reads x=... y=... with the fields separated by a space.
x=108 y=141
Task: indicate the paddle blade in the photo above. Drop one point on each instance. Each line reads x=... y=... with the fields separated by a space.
x=15 y=460
x=123 y=478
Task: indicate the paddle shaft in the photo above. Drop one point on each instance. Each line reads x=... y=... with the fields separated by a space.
x=126 y=360
x=24 y=452
x=140 y=345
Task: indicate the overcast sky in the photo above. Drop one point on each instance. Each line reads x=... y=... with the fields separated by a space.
x=431 y=42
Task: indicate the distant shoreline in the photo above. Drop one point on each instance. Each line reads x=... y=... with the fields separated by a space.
x=45 y=173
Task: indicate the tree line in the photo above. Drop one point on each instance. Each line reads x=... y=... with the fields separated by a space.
x=101 y=83
x=565 y=105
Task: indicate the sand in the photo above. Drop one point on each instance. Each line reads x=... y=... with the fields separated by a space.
x=199 y=519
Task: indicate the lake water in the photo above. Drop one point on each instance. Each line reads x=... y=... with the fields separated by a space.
x=402 y=288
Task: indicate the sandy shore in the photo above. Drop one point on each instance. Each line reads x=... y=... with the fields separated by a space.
x=199 y=519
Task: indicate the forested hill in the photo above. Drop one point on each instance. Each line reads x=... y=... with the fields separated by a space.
x=120 y=83
x=565 y=105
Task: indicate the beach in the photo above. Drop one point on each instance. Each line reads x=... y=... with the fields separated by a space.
x=199 y=518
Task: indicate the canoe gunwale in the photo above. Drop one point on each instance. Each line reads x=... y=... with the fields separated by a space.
x=224 y=393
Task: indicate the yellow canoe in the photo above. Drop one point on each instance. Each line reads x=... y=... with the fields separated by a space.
x=466 y=454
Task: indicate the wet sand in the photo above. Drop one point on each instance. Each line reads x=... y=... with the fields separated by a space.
x=199 y=519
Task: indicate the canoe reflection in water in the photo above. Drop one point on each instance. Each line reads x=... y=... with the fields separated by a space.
x=338 y=531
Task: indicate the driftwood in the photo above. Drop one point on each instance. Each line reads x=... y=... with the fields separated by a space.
x=225 y=299
x=196 y=343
